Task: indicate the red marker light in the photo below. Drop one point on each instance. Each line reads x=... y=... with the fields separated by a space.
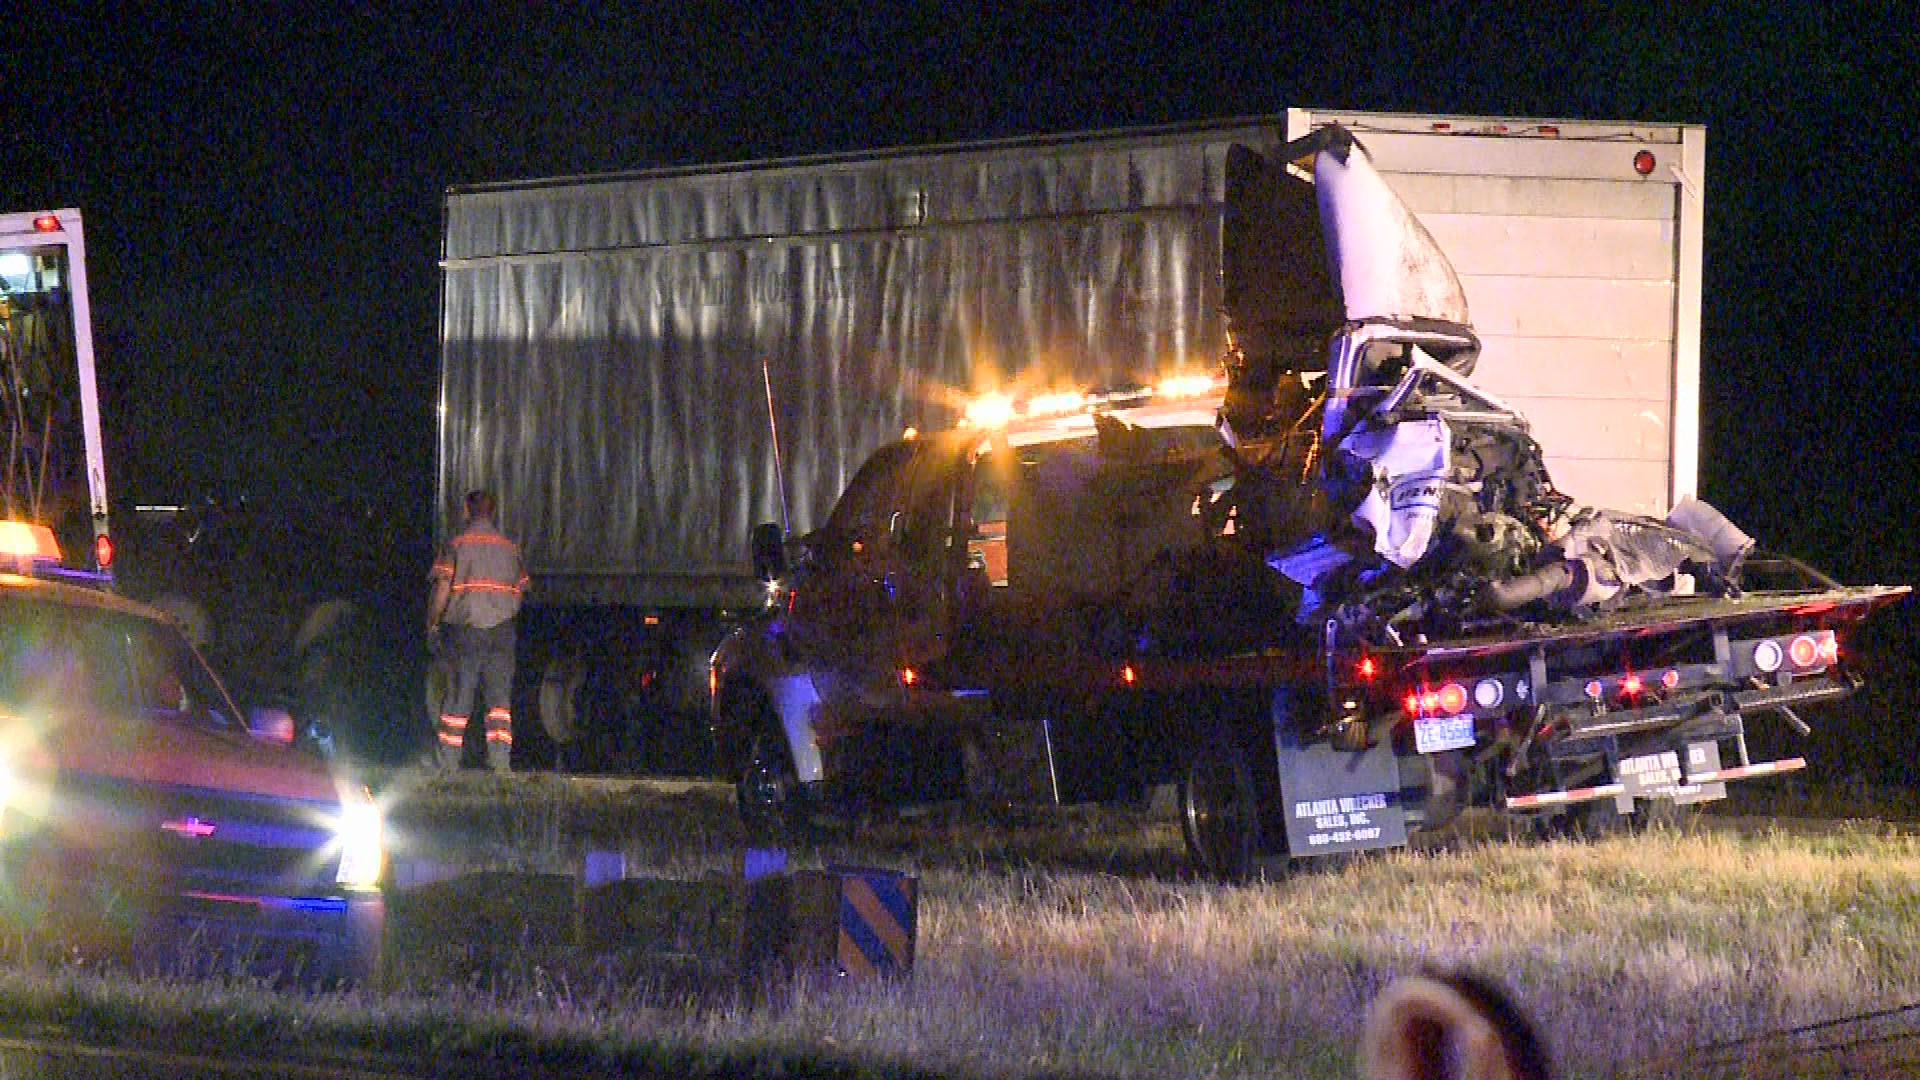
x=1413 y=704
x=1452 y=698
x=46 y=223
x=1829 y=647
x=1670 y=679
x=1630 y=686
x=1595 y=689
x=1128 y=675
x=1366 y=668
x=1643 y=163
x=103 y=551
x=908 y=676
x=1803 y=652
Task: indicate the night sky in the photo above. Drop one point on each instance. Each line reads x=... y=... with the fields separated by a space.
x=262 y=196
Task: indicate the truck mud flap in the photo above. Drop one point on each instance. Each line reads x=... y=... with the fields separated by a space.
x=1338 y=800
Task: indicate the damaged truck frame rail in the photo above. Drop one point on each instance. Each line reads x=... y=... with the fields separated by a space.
x=1331 y=592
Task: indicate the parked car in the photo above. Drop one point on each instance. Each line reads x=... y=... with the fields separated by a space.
x=144 y=818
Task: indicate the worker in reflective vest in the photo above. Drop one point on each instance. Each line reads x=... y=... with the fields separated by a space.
x=478 y=582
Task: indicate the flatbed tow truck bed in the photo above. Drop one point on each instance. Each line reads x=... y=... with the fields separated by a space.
x=1665 y=615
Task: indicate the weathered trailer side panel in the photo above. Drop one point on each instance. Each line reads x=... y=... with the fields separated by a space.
x=603 y=339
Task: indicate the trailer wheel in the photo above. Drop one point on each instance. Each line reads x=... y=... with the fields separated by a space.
x=1219 y=809
x=559 y=693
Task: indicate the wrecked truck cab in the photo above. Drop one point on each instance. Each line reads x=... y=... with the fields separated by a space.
x=1444 y=509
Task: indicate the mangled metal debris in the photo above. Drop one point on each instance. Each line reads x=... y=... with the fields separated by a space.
x=1438 y=508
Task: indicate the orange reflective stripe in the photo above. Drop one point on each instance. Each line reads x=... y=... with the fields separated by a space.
x=457 y=723
x=478 y=585
x=450 y=739
x=500 y=735
x=481 y=538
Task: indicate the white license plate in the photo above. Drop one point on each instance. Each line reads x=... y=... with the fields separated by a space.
x=1433 y=734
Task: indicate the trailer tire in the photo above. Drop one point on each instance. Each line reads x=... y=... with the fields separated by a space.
x=558 y=698
x=1219 y=807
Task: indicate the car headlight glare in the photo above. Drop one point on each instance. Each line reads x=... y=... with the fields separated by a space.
x=361 y=836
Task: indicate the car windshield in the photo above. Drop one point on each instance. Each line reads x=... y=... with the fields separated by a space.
x=64 y=656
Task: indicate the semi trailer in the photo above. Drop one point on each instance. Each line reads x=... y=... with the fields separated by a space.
x=644 y=365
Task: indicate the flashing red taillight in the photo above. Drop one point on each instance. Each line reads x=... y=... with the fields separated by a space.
x=1630 y=685
x=1804 y=651
x=1367 y=668
x=46 y=223
x=1450 y=699
x=103 y=551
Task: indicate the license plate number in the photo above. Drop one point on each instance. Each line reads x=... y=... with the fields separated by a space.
x=1433 y=734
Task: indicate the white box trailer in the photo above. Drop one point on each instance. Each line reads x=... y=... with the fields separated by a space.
x=604 y=339
x=1579 y=246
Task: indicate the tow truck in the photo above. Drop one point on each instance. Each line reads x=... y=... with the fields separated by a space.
x=55 y=460
x=1334 y=601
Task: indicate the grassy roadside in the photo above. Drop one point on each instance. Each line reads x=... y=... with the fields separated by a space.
x=1074 y=945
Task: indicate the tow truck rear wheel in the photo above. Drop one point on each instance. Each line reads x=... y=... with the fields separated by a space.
x=768 y=789
x=1219 y=809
